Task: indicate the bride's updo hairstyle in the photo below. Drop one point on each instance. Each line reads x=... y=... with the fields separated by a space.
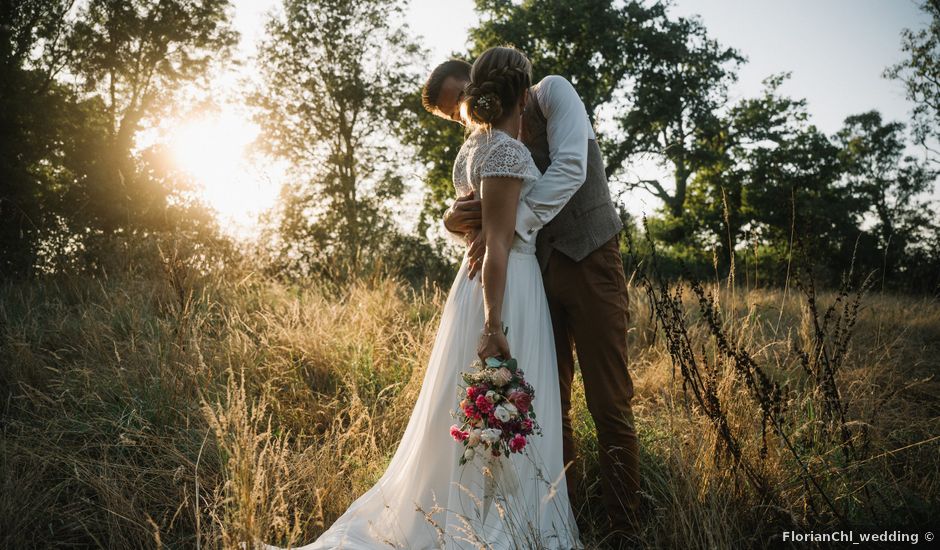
x=498 y=78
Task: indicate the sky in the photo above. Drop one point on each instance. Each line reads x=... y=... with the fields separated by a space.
x=835 y=49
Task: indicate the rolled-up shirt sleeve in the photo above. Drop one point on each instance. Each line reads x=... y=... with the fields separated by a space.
x=569 y=130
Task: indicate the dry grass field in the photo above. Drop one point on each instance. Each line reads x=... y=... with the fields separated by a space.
x=193 y=411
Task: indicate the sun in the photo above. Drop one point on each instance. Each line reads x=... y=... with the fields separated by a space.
x=213 y=150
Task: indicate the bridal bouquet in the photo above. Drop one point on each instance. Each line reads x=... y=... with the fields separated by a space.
x=496 y=412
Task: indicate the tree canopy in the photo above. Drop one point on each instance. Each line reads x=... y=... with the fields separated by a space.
x=336 y=93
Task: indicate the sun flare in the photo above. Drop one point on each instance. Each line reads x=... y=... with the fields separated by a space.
x=213 y=150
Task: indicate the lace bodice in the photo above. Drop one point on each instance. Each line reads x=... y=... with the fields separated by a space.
x=494 y=153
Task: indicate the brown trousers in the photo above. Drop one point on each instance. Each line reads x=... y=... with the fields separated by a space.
x=588 y=304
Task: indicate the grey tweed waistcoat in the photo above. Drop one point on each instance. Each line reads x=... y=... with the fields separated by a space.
x=589 y=218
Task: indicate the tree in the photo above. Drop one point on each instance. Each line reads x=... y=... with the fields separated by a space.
x=134 y=58
x=920 y=74
x=335 y=87
x=856 y=194
x=679 y=86
x=69 y=171
x=591 y=43
x=33 y=122
x=795 y=192
x=775 y=178
x=32 y=36
x=888 y=182
x=717 y=209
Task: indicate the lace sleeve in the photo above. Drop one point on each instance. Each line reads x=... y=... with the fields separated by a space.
x=459 y=174
x=507 y=159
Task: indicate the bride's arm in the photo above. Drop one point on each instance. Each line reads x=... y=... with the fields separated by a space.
x=499 y=197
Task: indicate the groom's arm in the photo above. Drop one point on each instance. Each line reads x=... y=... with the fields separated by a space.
x=457 y=239
x=462 y=219
x=568 y=130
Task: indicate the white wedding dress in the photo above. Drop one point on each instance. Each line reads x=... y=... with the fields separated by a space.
x=425 y=499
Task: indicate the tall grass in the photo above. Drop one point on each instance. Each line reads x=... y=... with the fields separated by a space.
x=185 y=410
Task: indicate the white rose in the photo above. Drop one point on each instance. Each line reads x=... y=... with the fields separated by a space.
x=513 y=411
x=468 y=453
x=491 y=396
x=491 y=435
x=502 y=413
x=474 y=438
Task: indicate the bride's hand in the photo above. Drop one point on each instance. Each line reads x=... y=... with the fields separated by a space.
x=493 y=343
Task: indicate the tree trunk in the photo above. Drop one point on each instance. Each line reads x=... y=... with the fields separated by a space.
x=676 y=203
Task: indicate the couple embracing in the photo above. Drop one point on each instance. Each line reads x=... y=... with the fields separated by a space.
x=542 y=277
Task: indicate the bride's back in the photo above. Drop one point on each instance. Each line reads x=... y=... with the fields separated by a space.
x=493 y=153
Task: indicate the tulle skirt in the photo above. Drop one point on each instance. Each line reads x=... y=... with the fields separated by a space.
x=425 y=499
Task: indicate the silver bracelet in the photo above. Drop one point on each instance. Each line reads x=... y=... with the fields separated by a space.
x=502 y=330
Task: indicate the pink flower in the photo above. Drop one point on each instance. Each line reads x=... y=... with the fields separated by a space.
x=521 y=400
x=493 y=421
x=483 y=404
x=457 y=433
x=473 y=392
x=527 y=425
x=470 y=411
x=517 y=443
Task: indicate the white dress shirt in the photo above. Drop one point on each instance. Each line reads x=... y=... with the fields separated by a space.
x=569 y=130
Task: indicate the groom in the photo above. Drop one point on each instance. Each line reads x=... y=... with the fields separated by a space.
x=578 y=251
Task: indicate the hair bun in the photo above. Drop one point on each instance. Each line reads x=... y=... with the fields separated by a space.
x=486 y=107
x=498 y=78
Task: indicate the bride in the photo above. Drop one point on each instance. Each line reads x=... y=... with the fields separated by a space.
x=426 y=499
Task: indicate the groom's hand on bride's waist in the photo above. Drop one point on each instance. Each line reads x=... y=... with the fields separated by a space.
x=464 y=214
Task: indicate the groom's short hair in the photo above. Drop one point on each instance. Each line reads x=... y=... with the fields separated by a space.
x=457 y=68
